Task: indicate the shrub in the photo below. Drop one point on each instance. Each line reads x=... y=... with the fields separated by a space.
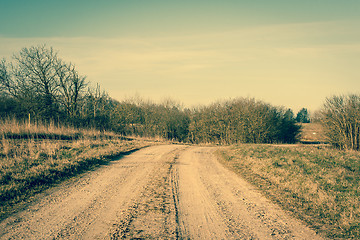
x=340 y=117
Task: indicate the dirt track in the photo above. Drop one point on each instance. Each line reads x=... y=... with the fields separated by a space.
x=166 y=192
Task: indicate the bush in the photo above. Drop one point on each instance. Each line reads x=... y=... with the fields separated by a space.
x=340 y=117
x=243 y=120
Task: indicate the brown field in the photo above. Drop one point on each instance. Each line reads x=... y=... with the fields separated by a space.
x=312 y=133
x=318 y=184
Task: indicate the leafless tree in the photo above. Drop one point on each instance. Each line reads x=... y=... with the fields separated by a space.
x=42 y=83
x=340 y=116
x=36 y=68
x=15 y=87
x=71 y=87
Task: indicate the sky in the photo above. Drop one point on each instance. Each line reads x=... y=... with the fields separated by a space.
x=287 y=53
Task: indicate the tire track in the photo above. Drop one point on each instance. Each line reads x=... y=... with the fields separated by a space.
x=216 y=204
x=161 y=192
x=154 y=215
x=175 y=195
x=94 y=205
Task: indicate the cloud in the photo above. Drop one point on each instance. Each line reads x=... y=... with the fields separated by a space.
x=200 y=50
x=257 y=61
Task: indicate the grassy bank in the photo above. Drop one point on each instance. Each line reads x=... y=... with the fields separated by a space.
x=29 y=164
x=319 y=185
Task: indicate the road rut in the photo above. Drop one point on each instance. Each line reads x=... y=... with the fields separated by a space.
x=160 y=192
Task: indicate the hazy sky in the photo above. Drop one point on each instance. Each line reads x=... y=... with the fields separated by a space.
x=288 y=53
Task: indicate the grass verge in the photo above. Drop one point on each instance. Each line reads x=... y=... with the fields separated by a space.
x=320 y=185
x=31 y=164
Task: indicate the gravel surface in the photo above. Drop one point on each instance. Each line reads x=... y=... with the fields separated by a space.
x=160 y=192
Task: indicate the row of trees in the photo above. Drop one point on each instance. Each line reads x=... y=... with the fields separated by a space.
x=243 y=120
x=144 y=118
x=37 y=83
x=239 y=120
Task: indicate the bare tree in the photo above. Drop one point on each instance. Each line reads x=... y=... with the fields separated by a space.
x=10 y=84
x=42 y=83
x=6 y=85
x=340 y=117
x=71 y=87
x=36 y=68
x=16 y=90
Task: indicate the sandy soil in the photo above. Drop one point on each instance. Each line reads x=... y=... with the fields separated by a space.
x=160 y=192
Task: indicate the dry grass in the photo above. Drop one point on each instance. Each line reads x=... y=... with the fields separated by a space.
x=319 y=185
x=12 y=128
x=312 y=133
x=29 y=164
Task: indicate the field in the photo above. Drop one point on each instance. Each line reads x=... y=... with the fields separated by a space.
x=35 y=156
x=312 y=133
x=318 y=184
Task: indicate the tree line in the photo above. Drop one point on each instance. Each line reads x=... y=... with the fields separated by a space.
x=39 y=85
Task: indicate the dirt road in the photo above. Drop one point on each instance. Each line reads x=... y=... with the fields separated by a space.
x=160 y=192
